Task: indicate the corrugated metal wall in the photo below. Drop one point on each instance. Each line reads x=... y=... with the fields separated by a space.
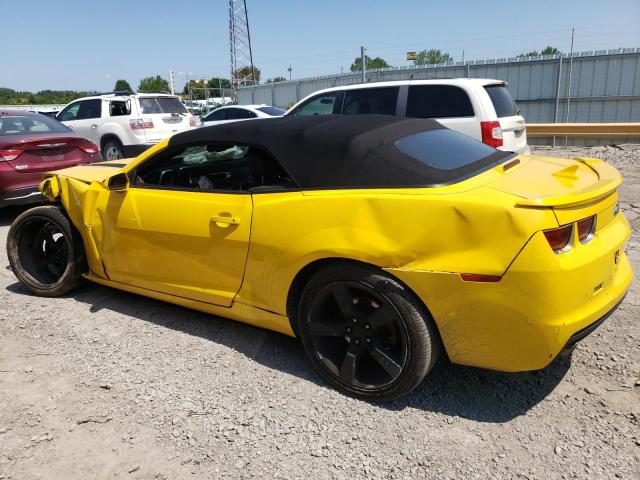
x=605 y=85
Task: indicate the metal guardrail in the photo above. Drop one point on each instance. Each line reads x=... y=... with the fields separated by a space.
x=585 y=130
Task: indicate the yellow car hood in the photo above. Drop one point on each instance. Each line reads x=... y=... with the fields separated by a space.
x=97 y=172
x=558 y=182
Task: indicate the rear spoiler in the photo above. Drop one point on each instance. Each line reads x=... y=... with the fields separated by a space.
x=609 y=180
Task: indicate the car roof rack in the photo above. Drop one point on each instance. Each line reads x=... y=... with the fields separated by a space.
x=114 y=92
x=157 y=91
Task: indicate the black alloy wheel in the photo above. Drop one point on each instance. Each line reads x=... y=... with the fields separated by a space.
x=358 y=335
x=45 y=251
x=366 y=333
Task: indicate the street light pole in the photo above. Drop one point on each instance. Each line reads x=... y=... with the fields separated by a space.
x=363 y=63
x=289 y=71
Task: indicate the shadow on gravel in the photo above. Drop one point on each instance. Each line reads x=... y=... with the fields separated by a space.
x=453 y=390
x=9 y=214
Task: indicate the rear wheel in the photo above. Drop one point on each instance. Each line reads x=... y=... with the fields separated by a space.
x=366 y=333
x=45 y=251
x=112 y=150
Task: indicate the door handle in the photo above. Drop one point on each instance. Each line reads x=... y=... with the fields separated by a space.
x=226 y=220
x=94 y=126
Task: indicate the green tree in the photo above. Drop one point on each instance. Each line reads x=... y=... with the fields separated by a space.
x=218 y=87
x=245 y=75
x=153 y=84
x=122 y=85
x=275 y=80
x=532 y=53
x=370 y=63
x=432 y=56
x=549 y=50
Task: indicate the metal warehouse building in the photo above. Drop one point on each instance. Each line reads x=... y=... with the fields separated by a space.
x=596 y=86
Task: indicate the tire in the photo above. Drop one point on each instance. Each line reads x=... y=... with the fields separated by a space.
x=366 y=333
x=112 y=150
x=45 y=251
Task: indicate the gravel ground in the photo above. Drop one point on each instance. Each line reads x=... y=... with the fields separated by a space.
x=104 y=384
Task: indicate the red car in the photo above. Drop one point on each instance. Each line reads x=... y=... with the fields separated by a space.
x=31 y=144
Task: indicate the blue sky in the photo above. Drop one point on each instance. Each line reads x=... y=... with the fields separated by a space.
x=88 y=44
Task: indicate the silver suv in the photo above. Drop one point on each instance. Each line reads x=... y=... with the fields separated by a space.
x=126 y=124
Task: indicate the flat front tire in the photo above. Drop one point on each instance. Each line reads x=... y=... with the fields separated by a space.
x=366 y=333
x=46 y=252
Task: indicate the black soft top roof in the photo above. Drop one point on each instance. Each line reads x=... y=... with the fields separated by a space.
x=339 y=151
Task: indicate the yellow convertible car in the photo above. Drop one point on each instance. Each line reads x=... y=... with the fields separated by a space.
x=381 y=242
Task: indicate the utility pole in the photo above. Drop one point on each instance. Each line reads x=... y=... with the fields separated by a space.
x=364 y=66
x=290 y=69
x=243 y=71
x=566 y=139
x=172 y=87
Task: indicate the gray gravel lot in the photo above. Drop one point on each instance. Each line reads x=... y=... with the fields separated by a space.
x=105 y=384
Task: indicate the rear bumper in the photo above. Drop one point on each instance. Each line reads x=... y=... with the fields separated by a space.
x=543 y=303
x=588 y=330
x=21 y=196
x=18 y=188
x=521 y=150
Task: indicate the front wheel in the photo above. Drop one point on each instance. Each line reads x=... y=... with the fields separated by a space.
x=366 y=333
x=46 y=252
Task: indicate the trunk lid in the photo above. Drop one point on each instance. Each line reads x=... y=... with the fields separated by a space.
x=41 y=153
x=573 y=188
x=168 y=115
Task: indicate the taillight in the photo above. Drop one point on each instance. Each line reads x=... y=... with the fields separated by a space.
x=7 y=155
x=586 y=227
x=559 y=238
x=89 y=148
x=491 y=134
x=192 y=121
x=140 y=123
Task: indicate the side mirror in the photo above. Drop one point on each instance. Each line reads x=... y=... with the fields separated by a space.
x=118 y=182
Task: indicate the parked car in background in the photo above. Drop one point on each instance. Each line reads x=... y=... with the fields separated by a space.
x=126 y=124
x=30 y=144
x=241 y=112
x=480 y=108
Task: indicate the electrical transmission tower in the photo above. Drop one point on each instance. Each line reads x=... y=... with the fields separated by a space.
x=242 y=69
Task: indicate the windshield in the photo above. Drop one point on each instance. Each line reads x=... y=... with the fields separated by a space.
x=161 y=105
x=273 y=111
x=21 y=124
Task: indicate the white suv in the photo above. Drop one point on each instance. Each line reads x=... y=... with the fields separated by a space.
x=480 y=108
x=124 y=125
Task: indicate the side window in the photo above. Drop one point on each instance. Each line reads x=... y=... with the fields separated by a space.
x=239 y=114
x=381 y=101
x=438 y=101
x=118 y=108
x=89 y=109
x=204 y=167
x=69 y=113
x=220 y=114
x=325 y=104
